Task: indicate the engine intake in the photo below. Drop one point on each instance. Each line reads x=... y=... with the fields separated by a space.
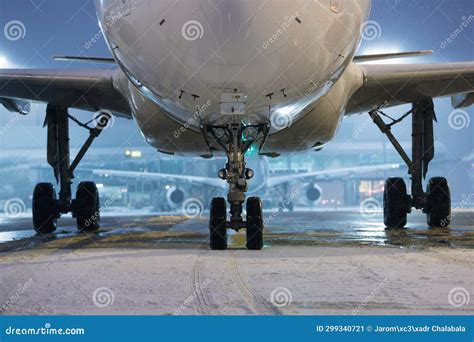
x=314 y=192
x=174 y=196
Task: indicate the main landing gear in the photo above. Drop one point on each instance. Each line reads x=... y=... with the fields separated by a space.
x=436 y=201
x=235 y=140
x=47 y=207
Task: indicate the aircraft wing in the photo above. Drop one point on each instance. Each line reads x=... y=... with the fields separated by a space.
x=271 y=182
x=330 y=174
x=393 y=85
x=214 y=182
x=90 y=90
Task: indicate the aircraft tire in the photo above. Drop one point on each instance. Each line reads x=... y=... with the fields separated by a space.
x=218 y=224
x=438 y=210
x=396 y=203
x=255 y=224
x=87 y=207
x=44 y=208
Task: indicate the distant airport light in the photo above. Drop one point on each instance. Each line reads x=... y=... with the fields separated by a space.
x=133 y=154
x=3 y=62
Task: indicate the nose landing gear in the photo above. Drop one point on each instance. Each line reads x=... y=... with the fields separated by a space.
x=47 y=207
x=436 y=201
x=235 y=140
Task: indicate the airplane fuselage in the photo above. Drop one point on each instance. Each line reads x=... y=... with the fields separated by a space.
x=218 y=62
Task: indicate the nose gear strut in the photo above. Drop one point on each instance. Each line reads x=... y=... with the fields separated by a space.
x=235 y=140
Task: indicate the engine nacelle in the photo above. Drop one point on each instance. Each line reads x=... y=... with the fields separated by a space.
x=313 y=192
x=174 y=196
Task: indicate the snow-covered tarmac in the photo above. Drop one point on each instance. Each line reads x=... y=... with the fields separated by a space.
x=313 y=263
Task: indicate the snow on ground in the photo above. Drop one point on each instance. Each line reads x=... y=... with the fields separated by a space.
x=278 y=280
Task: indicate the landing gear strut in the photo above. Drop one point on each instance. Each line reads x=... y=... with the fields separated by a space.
x=436 y=201
x=235 y=140
x=47 y=207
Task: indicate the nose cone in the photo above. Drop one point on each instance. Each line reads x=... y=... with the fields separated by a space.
x=191 y=53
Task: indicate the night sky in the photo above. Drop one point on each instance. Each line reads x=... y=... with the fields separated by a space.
x=60 y=27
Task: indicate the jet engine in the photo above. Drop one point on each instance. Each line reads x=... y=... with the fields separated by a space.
x=313 y=193
x=174 y=196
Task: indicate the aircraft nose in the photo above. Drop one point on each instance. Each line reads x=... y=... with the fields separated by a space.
x=194 y=53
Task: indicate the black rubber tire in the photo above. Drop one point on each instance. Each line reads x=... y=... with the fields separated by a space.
x=218 y=224
x=254 y=224
x=87 y=207
x=45 y=213
x=396 y=203
x=438 y=208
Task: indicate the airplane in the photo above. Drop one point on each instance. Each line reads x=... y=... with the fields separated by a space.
x=205 y=78
x=263 y=181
